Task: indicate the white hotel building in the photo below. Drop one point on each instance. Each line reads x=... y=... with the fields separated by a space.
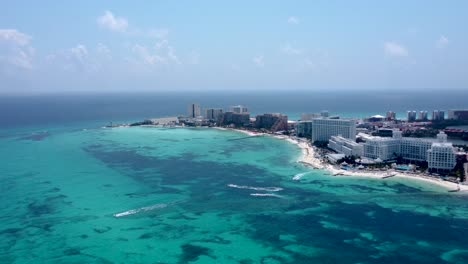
x=324 y=129
x=440 y=154
x=346 y=146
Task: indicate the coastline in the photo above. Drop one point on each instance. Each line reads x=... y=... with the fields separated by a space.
x=309 y=159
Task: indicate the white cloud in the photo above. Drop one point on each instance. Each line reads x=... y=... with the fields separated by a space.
x=288 y=49
x=15 y=49
x=442 y=42
x=395 y=50
x=113 y=23
x=145 y=54
x=258 y=61
x=293 y=20
x=75 y=59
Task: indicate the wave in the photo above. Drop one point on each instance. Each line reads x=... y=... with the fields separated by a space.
x=266 y=195
x=140 y=210
x=300 y=175
x=266 y=189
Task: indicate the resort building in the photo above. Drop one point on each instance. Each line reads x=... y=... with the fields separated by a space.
x=309 y=117
x=194 y=110
x=383 y=148
x=391 y=115
x=304 y=129
x=441 y=157
x=240 y=109
x=235 y=119
x=411 y=116
x=415 y=149
x=346 y=146
x=272 y=122
x=439 y=154
x=458 y=114
x=422 y=116
x=323 y=129
x=213 y=113
x=438 y=115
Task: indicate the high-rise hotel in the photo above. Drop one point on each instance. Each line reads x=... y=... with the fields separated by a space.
x=324 y=129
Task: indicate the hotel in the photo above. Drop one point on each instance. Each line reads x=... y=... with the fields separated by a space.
x=323 y=129
x=194 y=110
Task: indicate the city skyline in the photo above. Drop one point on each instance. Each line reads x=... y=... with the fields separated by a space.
x=169 y=46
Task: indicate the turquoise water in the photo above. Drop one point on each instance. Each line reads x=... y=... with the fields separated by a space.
x=207 y=196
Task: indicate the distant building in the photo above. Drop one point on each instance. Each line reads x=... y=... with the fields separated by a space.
x=323 y=129
x=458 y=114
x=441 y=157
x=438 y=115
x=346 y=146
x=439 y=154
x=422 y=116
x=273 y=122
x=240 y=109
x=411 y=116
x=236 y=119
x=325 y=113
x=213 y=113
x=304 y=129
x=309 y=117
x=391 y=115
x=194 y=110
x=376 y=118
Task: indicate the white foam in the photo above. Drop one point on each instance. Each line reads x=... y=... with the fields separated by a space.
x=300 y=175
x=266 y=195
x=142 y=209
x=266 y=189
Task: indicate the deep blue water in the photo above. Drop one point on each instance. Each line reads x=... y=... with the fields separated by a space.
x=47 y=110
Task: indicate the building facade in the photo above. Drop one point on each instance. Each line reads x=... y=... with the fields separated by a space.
x=441 y=157
x=213 y=113
x=304 y=129
x=323 y=129
x=194 y=110
x=273 y=122
x=239 y=109
x=346 y=146
x=236 y=119
x=458 y=114
x=438 y=115
x=422 y=116
x=411 y=116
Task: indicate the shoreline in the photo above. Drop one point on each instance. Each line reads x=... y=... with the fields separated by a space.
x=309 y=159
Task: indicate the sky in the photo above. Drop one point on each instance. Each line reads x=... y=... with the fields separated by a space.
x=129 y=46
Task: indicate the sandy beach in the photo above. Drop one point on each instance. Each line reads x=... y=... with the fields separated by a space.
x=309 y=158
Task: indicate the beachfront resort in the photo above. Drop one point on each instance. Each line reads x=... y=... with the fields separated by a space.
x=377 y=146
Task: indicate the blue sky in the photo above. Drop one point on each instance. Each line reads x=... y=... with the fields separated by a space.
x=102 y=46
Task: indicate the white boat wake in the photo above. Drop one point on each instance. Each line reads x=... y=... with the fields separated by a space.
x=266 y=195
x=266 y=189
x=300 y=175
x=140 y=210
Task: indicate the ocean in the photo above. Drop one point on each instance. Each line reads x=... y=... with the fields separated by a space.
x=74 y=192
